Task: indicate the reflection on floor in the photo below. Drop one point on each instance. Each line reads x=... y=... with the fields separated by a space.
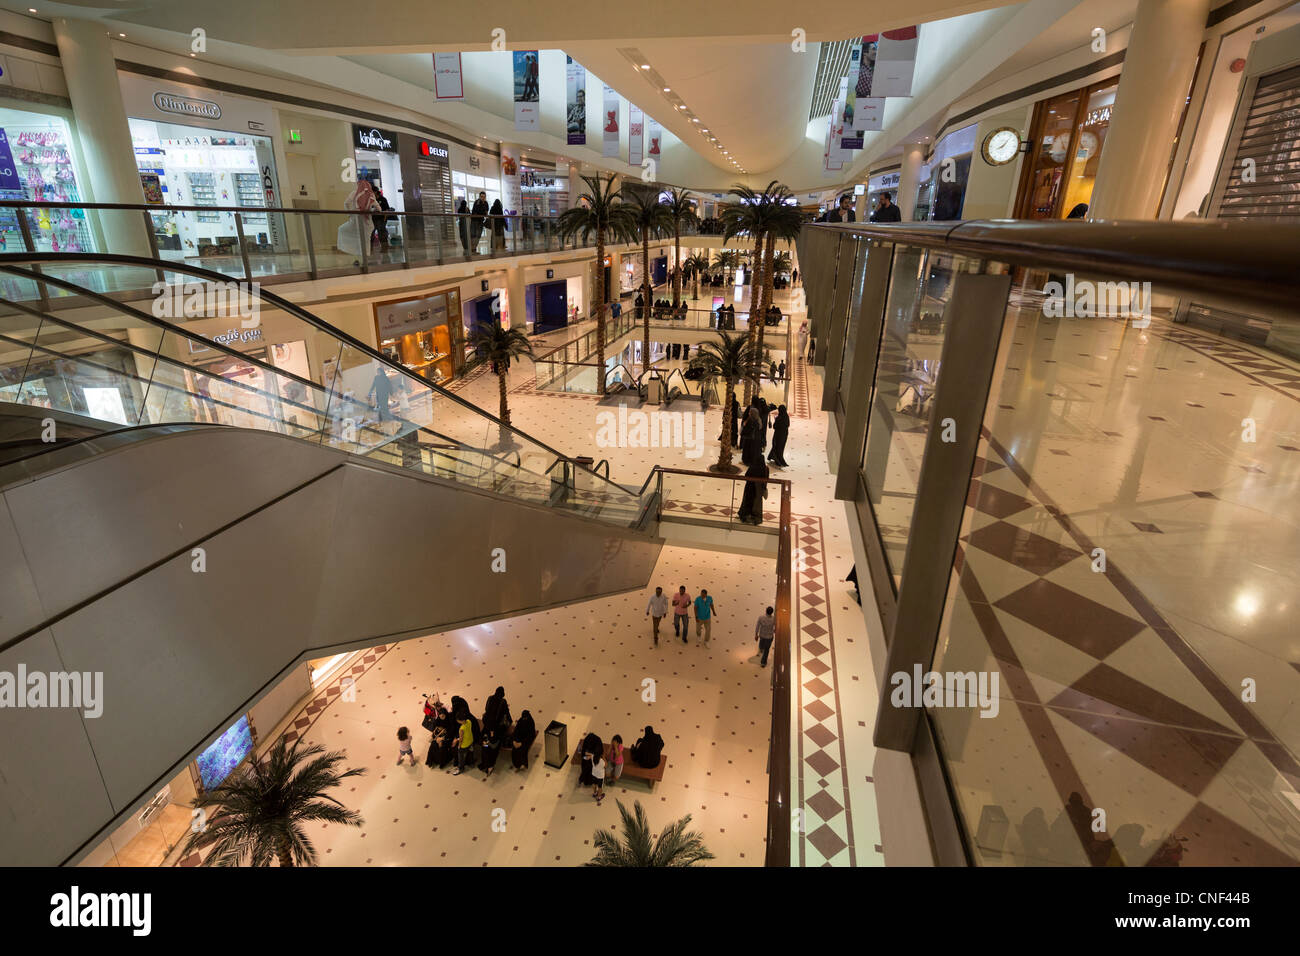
x=1127 y=565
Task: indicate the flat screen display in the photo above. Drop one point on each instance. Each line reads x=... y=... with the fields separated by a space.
x=216 y=763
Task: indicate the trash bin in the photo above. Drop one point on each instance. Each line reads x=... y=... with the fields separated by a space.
x=655 y=392
x=557 y=744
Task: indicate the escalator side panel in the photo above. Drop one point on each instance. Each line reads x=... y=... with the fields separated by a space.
x=20 y=605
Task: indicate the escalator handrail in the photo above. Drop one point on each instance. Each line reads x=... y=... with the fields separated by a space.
x=277 y=301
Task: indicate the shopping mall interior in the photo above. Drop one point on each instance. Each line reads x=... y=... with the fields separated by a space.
x=732 y=435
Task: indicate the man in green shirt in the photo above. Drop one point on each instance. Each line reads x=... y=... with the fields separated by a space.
x=704 y=615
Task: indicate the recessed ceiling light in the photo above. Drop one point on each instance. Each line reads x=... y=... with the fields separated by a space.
x=31 y=9
x=667 y=90
x=121 y=34
x=645 y=66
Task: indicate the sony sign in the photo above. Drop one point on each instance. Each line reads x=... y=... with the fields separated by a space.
x=186 y=105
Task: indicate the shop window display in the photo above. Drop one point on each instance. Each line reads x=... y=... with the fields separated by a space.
x=37 y=149
x=1069 y=132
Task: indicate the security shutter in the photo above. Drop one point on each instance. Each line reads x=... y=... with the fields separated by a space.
x=1267 y=152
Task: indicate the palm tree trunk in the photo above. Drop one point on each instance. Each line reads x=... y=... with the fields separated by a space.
x=649 y=291
x=677 y=264
x=504 y=411
x=601 y=296
x=768 y=290
x=724 y=455
x=755 y=313
x=282 y=852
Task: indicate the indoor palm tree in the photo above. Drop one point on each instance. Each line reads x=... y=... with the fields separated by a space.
x=600 y=213
x=782 y=262
x=494 y=346
x=732 y=358
x=696 y=266
x=726 y=260
x=674 y=847
x=783 y=222
x=651 y=220
x=260 y=812
x=681 y=207
x=751 y=215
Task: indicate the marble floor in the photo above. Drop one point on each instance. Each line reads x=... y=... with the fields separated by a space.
x=1126 y=566
x=585 y=665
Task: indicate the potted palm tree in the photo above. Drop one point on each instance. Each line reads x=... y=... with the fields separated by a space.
x=496 y=347
x=726 y=261
x=637 y=847
x=732 y=358
x=258 y=814
x=750 y=215
x=783 y=222
x=652 y=220
x=681 y=207
x=696 y=266
x=600 y=213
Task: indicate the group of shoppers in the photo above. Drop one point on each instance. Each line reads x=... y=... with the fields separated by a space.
x=471 y=223
x=597 y=765
x=468 y=740
x=724 y=317
x=682 y=605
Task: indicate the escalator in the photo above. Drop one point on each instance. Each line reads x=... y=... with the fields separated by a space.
x=191 y=519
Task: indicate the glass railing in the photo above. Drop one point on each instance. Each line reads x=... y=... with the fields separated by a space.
x=253 y=360
x=276 y=244
x=1079 y=496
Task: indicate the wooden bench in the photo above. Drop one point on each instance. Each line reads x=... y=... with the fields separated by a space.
x=630 y=767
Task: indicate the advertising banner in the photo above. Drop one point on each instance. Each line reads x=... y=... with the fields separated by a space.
x=852 y=138
x=655 y=133
x=635 y=135
x=895 y=62
x=609 y=123
x=838 y=154
x=448 y=84
x=527 y=111
x=575 y=80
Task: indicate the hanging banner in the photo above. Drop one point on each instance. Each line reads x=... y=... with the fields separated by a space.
x=635 y=135
x=895 y=62
x=656 y=134
x=609 y=123
x=448 y=84
x=838 y=152
x=852 y=137
x=527 y=111
x=575 y=79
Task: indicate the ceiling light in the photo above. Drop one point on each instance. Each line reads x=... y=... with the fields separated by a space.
x=31 y=9
x=121 y=34
x=645 y=66
x=695 y=119
x=667 y=90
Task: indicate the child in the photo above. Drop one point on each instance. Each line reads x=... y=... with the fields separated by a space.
x=598 y=775
x=404 y=748
x=616 y=759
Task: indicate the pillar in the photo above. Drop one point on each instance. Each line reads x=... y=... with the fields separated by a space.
x=1158 y=68
x=909 y=179
x=577 y=187
x=516 y=295
x=860 y=210
x=89 y=69
x=512 y=198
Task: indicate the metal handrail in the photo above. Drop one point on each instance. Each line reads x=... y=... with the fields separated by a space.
x=1218 y=260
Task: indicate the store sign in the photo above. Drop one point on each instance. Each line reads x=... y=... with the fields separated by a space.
x=436 y=150
x=1097 y=117
x=374 y=139
x=532 y=180
x=9 y=178
x=186 y=105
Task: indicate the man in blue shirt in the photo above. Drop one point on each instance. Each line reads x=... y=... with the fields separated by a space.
x=703 y=615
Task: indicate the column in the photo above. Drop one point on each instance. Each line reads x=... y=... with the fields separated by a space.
x=516 y=293
x=909 y=179
x=576 y=186
x=89 y=69
x=1158 y=67
x=860 y=210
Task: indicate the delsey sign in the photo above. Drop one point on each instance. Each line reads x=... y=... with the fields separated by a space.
x=186 y=105
x=373 y=138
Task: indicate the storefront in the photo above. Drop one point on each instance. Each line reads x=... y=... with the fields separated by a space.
x=198 y=147
x=1065 y=144
x=375 y=151
x=554 y=296
x=944 y=177
x=543 y=193
x=39 y=163
x=423 y=334
x=426 y=169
